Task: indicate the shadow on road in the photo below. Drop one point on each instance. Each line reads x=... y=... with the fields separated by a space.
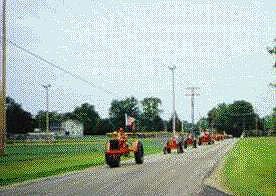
x=207 y=190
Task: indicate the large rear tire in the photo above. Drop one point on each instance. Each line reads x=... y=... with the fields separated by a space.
x=139 y=154
x=185 y=144
x=165 y=150
x=112 y=160
x=194 y=144
x=199 y=142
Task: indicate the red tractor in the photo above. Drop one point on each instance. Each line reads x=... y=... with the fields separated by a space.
x=218 y=137
x=174 y=143
x=205 y=137
x=190 y=141
x=118 y=146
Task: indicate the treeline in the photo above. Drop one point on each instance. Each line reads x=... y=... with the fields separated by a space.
x=231 y=118
x=239 y=117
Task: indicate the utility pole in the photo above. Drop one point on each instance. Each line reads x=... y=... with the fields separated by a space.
x=173 y=95
x=47 y=105
x=3 y=82
x=193 y=94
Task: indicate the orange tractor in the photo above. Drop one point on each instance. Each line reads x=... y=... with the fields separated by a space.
x=190 y=141
x=118 y=145
x=174 y=143
x=218 y=137
x=205 y=137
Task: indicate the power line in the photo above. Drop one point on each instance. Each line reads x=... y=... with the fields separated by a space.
x=60 y=68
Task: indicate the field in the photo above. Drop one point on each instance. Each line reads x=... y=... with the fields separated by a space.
x=25 y=161
x=250 y=168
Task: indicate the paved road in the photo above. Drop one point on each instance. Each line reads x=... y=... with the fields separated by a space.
x=172 y=174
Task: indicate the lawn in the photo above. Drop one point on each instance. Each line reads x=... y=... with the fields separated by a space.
x=250 y=169
x=25 y=161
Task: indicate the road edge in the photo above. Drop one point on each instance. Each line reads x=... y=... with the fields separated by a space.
x=213 y=180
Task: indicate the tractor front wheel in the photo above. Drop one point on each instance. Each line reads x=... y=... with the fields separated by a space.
x=180 y=148
x=139 y=154
x=112 y=160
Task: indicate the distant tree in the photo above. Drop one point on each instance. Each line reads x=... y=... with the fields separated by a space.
x=40 y=119
x=150 y=118
x=272 y=51
x=104 y=126
x=202 y=123
x=178 y=124
x=18 y=120
x=87 y=115
x=269 y=121
x=233 y=118
x=119 y=108
x=187 y=126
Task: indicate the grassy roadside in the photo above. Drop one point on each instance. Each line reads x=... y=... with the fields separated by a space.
x=30 y=161
x=250 y=169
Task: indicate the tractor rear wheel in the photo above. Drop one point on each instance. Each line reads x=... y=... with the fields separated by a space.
x=139 y=154
x=112 y=160
x=194 y=144
x=199 y=142
x=165 y=150
x=185 y=144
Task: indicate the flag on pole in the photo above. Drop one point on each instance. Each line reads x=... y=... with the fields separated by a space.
x=129 y=120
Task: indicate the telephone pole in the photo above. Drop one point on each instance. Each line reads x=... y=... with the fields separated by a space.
x=192 y=94
x=173 y=95
x=3 y=81
x=47 y=105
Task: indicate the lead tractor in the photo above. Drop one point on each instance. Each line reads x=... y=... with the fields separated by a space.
x=190 y=140
x=119 y=146
x=205 y=138
x=173 y=144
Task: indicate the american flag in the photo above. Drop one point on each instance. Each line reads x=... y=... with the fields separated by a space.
x=129 y=120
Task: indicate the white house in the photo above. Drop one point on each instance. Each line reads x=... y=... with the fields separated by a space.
x=72 y=127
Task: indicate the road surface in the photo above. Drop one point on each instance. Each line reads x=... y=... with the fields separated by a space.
x=171 y=174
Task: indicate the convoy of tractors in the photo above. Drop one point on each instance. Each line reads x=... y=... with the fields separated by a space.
x=119 y=145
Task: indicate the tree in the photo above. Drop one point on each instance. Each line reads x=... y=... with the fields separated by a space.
x=272 y=51
x=187 y=127
x=178 y=124
x=202 y=123
x=18 y=120
x=151 y=107
x=150 y=118
x=40 y=119
x=233 y=118
x=118 y=110
x=87 y=115
x=104 y=126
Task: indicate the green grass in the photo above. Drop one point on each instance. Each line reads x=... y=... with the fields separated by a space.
x=25 y=161
x=250 y=169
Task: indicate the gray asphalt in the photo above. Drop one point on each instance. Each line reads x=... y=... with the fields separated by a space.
x=171 y=174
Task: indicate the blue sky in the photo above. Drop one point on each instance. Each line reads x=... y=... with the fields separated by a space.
x=125 y=48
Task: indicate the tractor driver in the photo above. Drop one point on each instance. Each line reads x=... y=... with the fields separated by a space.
x=122 y=136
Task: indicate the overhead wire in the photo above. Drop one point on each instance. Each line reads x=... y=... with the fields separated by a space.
x=60 y=68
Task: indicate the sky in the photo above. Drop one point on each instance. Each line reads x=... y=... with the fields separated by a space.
x=123 y=48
